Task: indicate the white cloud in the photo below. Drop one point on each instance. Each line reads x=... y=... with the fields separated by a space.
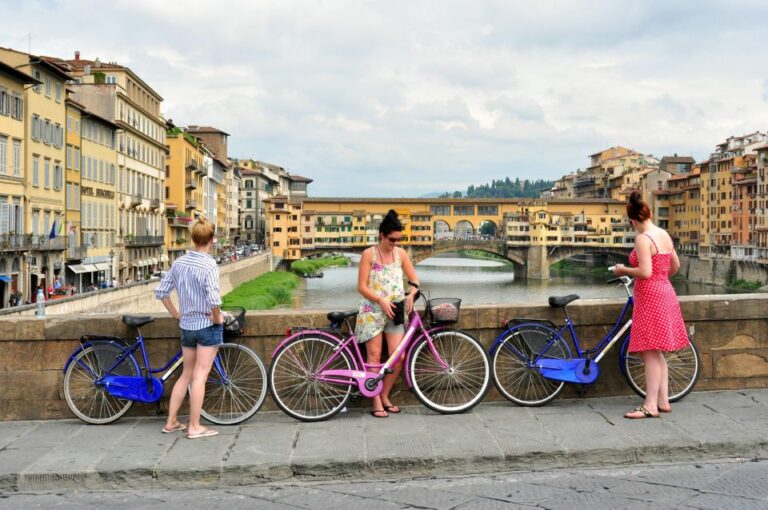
x=405 y=98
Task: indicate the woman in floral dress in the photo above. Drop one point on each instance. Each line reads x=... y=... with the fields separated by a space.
x=380 y=281
x=657 y=323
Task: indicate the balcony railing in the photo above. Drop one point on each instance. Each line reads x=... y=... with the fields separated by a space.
x=154 y=203
x=143 y=240
x=43 y=243
x=77 y=252
x=191 y=184
x=136 y=200
x=179 y=221
x=192 y=165
x=191 y=204
x=15 y=242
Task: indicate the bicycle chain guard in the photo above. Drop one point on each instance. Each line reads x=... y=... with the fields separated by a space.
x=569 y=370
x=134 y=388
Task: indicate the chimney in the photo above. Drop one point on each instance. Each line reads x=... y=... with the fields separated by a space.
x=77 y=55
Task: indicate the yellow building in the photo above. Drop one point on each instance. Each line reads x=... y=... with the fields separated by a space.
x=685 y=210
x=761 y=216
x=76 y=249
x=13 y=241
x=44 y=156
x=184 y=194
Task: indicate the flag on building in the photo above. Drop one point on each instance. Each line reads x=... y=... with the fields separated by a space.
x=52 y=235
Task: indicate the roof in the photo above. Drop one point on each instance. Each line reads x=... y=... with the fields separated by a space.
x=14 y=73
x=80 y=63
x=299 y=178
x=677 y=159
x=205 y=129
x=445 y=201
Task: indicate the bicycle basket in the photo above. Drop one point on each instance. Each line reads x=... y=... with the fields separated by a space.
x=234 y=321
x=443 y=310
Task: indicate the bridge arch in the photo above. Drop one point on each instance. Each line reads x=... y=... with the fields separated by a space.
x=464 y=228
x=442 y=229
x=488 y=228
x=567 y=252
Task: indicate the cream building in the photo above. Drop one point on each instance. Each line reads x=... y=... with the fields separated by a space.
x=13 y=241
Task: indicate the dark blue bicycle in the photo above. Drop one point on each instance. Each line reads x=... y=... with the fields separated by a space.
x=103 y=378
x=531 y=361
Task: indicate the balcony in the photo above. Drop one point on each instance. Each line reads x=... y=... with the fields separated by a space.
x=136 y=200
x=43 y=243
x=15 y=242
x=191 y=204
x=131 y=240
x=179 y=221
x=192 y=165
x=191 y=184
x=154 y=203
x=77 y=252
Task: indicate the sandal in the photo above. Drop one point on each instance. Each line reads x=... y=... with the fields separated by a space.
x=645 y=414
x=203 y=433
x=176 y=428
x=376 y=413
x=392 y=409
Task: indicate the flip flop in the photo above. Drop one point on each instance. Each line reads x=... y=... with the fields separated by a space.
x=204 y=433
x=177 y=428
x=373 y=413
x=645 y=414
x=393 y=409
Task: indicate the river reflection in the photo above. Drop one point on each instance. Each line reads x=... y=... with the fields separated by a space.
x=474 y=281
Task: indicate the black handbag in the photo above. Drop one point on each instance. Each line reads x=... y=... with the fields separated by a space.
x=399 y=311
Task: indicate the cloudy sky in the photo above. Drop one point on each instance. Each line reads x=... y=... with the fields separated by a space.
x=404 y=98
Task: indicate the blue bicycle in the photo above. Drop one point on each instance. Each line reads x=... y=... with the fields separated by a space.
x=103 y=378
x=531 y=361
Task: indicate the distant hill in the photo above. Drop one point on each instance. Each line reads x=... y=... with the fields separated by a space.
x=436 y=194
x=506 y=188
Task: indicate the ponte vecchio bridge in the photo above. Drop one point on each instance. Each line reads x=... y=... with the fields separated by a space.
x=532 y=233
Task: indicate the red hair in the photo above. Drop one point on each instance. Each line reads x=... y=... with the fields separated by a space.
x=637 y=209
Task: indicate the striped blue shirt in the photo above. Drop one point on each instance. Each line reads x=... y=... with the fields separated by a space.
x=195 y=276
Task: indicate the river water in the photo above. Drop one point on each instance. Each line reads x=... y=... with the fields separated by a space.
x=474 y=281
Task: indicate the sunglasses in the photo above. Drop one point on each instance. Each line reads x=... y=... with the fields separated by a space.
x=394 y=239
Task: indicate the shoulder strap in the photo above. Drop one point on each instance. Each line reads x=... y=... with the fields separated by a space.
x=654 y=242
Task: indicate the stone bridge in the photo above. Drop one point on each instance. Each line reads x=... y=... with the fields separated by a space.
x=530 y=261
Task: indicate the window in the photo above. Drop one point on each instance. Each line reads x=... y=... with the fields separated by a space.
x=3 y=154
x=47 y=173
x=47 y=86
x=36 y=128
x=58 y=177
x=442 y=210
x=69 y=156
x=17 y=107
x=77 y=158
x=36 y=171
x=5 y=101
x=39 y=77
x=58 y=92
x=17 y=158
x=110 y=79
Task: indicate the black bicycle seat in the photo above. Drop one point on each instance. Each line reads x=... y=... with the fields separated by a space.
x=136 y=321
x=340 y=316
x=561 y=301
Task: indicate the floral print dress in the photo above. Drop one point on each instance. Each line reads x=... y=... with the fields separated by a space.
x=386 y=281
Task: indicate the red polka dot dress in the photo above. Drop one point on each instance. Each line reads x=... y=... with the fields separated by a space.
x=657 y=322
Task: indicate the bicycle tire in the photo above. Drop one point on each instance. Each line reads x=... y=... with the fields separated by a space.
x=455 y=389
x=684 y=370
x=237 y=394
x=292 y=381
x=513 y=376
x=85 y=398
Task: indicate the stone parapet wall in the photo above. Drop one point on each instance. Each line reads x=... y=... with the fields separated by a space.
x=722 y=271
x=731 y=332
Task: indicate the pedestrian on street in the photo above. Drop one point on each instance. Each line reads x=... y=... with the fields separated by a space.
x=195 y=277
x=657 y=322
x=380 y=281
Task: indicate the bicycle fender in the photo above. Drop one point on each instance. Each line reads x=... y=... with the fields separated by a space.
x=116 y=341
x=511 y=329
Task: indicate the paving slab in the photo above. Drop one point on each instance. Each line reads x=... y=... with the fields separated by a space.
x=133 y=453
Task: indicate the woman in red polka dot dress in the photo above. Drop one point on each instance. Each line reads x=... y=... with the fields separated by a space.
x=657 y=323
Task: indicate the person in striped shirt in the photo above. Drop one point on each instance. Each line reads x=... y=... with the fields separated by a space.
x=195 y=277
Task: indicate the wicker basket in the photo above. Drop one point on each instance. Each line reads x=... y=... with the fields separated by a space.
x=234 y=321
x=444 y=310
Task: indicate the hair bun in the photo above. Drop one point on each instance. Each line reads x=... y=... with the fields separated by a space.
x=635 y=198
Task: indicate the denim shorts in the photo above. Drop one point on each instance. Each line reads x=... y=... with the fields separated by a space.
x=207 y=337
x=392 y=328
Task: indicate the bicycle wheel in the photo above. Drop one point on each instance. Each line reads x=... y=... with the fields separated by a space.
x=684 y=368
x=293 y=378
x=86 y=398
x=458 y=380
x=236 y=387
x=514 y=375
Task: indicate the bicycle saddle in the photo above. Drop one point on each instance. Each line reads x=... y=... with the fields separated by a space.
x=561 y=301
x=136 y=321
x=340 y=316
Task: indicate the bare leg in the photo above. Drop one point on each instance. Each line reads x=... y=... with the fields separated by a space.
x=393 y=341
x=664 y=404
x=653 y=370
x=205 y=357
x=373 y=357
x=180 y=387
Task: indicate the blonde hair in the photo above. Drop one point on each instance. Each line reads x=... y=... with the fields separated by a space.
x=202 y=232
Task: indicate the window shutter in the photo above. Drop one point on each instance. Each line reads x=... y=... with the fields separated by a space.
x=4 y=217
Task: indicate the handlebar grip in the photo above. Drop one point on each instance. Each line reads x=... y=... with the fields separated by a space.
x=614 y=280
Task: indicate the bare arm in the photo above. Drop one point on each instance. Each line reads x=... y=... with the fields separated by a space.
x=644 y=267
x=410 y=273
x=171 y=307
x=674 y=266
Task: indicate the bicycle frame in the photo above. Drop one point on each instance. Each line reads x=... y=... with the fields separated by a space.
x=593 y=355
x=367 y=377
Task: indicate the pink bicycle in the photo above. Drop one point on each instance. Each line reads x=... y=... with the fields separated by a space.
x=315 y=371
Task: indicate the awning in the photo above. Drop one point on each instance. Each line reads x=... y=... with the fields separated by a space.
x=102 y=266
x=153 y=261
x=163 y=258
x=90 y=268
x=123 y=265
x=5 y=278
x=140 y=263
x=77 y=268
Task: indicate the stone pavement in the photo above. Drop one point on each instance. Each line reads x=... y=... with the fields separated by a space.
x=132 y=453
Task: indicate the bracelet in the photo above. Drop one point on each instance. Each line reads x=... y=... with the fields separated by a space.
x=413 y=284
